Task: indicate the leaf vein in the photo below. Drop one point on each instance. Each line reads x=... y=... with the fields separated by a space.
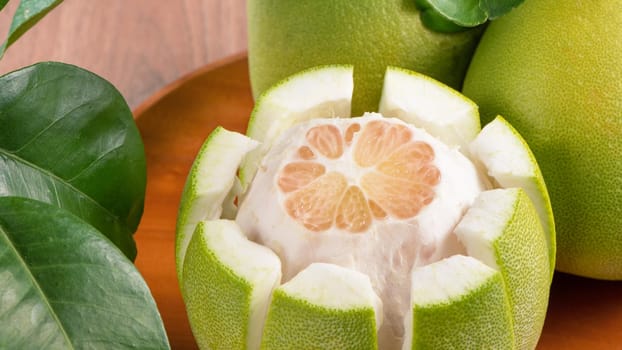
x=35 y=283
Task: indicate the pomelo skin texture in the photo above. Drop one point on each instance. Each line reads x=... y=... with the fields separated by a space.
x=553 y=69
x=285 y=37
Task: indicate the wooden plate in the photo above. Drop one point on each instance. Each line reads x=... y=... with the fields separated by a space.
x=583 y=313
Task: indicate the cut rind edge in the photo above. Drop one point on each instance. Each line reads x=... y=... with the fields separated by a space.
x=207 y=186
x=320 y=289
x=499 y=160
x=248 y=264
x=458 y=279
x=414 y=98
x=503 y=226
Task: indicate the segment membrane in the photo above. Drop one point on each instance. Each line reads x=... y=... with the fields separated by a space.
x=377 y=140
x=298 y=175
x=353 y=213
x=314 y=206
x=327 y=140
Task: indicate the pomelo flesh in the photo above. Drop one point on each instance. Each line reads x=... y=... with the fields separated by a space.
x=341 y=192
x=552 y=68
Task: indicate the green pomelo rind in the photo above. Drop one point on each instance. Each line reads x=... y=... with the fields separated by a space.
x=318 y=92
x=286 y=37
x=299 y=318
x=458 y=302
x=553 y=70
x=210 y=181
x=431 y=105
x=510 y=162
x=502 y=230
x=226 y=291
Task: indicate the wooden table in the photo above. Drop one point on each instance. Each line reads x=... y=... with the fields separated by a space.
x=138 y=45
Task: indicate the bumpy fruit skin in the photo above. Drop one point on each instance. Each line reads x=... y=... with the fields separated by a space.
x=288 y=36
x=553 y=69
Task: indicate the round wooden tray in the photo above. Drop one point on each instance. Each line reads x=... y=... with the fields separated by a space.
x=583 y=313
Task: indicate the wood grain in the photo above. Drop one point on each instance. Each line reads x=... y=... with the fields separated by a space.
x=174 y=125
x=138 y=45
x=583 y=313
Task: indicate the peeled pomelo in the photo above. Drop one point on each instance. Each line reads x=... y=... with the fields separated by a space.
x=285 y=37
x=367 y=232
x=552 y=68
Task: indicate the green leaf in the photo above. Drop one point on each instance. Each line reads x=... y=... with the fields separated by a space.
x=3 y=3
x=498 y=8
x=68 y=138
x=65 y=286
x=455 y=15
x=28 y=13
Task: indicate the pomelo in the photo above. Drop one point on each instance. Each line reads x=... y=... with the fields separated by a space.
x=552 y=68
x=366 y=232
x=285 y=37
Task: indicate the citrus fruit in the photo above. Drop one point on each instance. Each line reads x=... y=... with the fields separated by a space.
x=285 y=37
x=366 y=232
x=553 y=70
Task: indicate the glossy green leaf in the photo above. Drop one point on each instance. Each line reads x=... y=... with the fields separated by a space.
x=65 y=286
x=455 y=15
x=28 y=13
x=67 y=137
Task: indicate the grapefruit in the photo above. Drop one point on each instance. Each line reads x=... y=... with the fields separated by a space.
x=366 y=232
x=285 y=37
x=552 y=68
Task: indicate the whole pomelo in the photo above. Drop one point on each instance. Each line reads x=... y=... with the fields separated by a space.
x=553 y=69
x=285 y=37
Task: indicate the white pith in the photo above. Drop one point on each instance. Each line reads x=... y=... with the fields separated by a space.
x=391 y=247
x=334 y=287
x=416 y=101
x=443 y=281
x=211 y=185
x=254 y=263
x=508 y=162
x=448 y=279
x=290 y=103
x=485 y=221
x=393 y=253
